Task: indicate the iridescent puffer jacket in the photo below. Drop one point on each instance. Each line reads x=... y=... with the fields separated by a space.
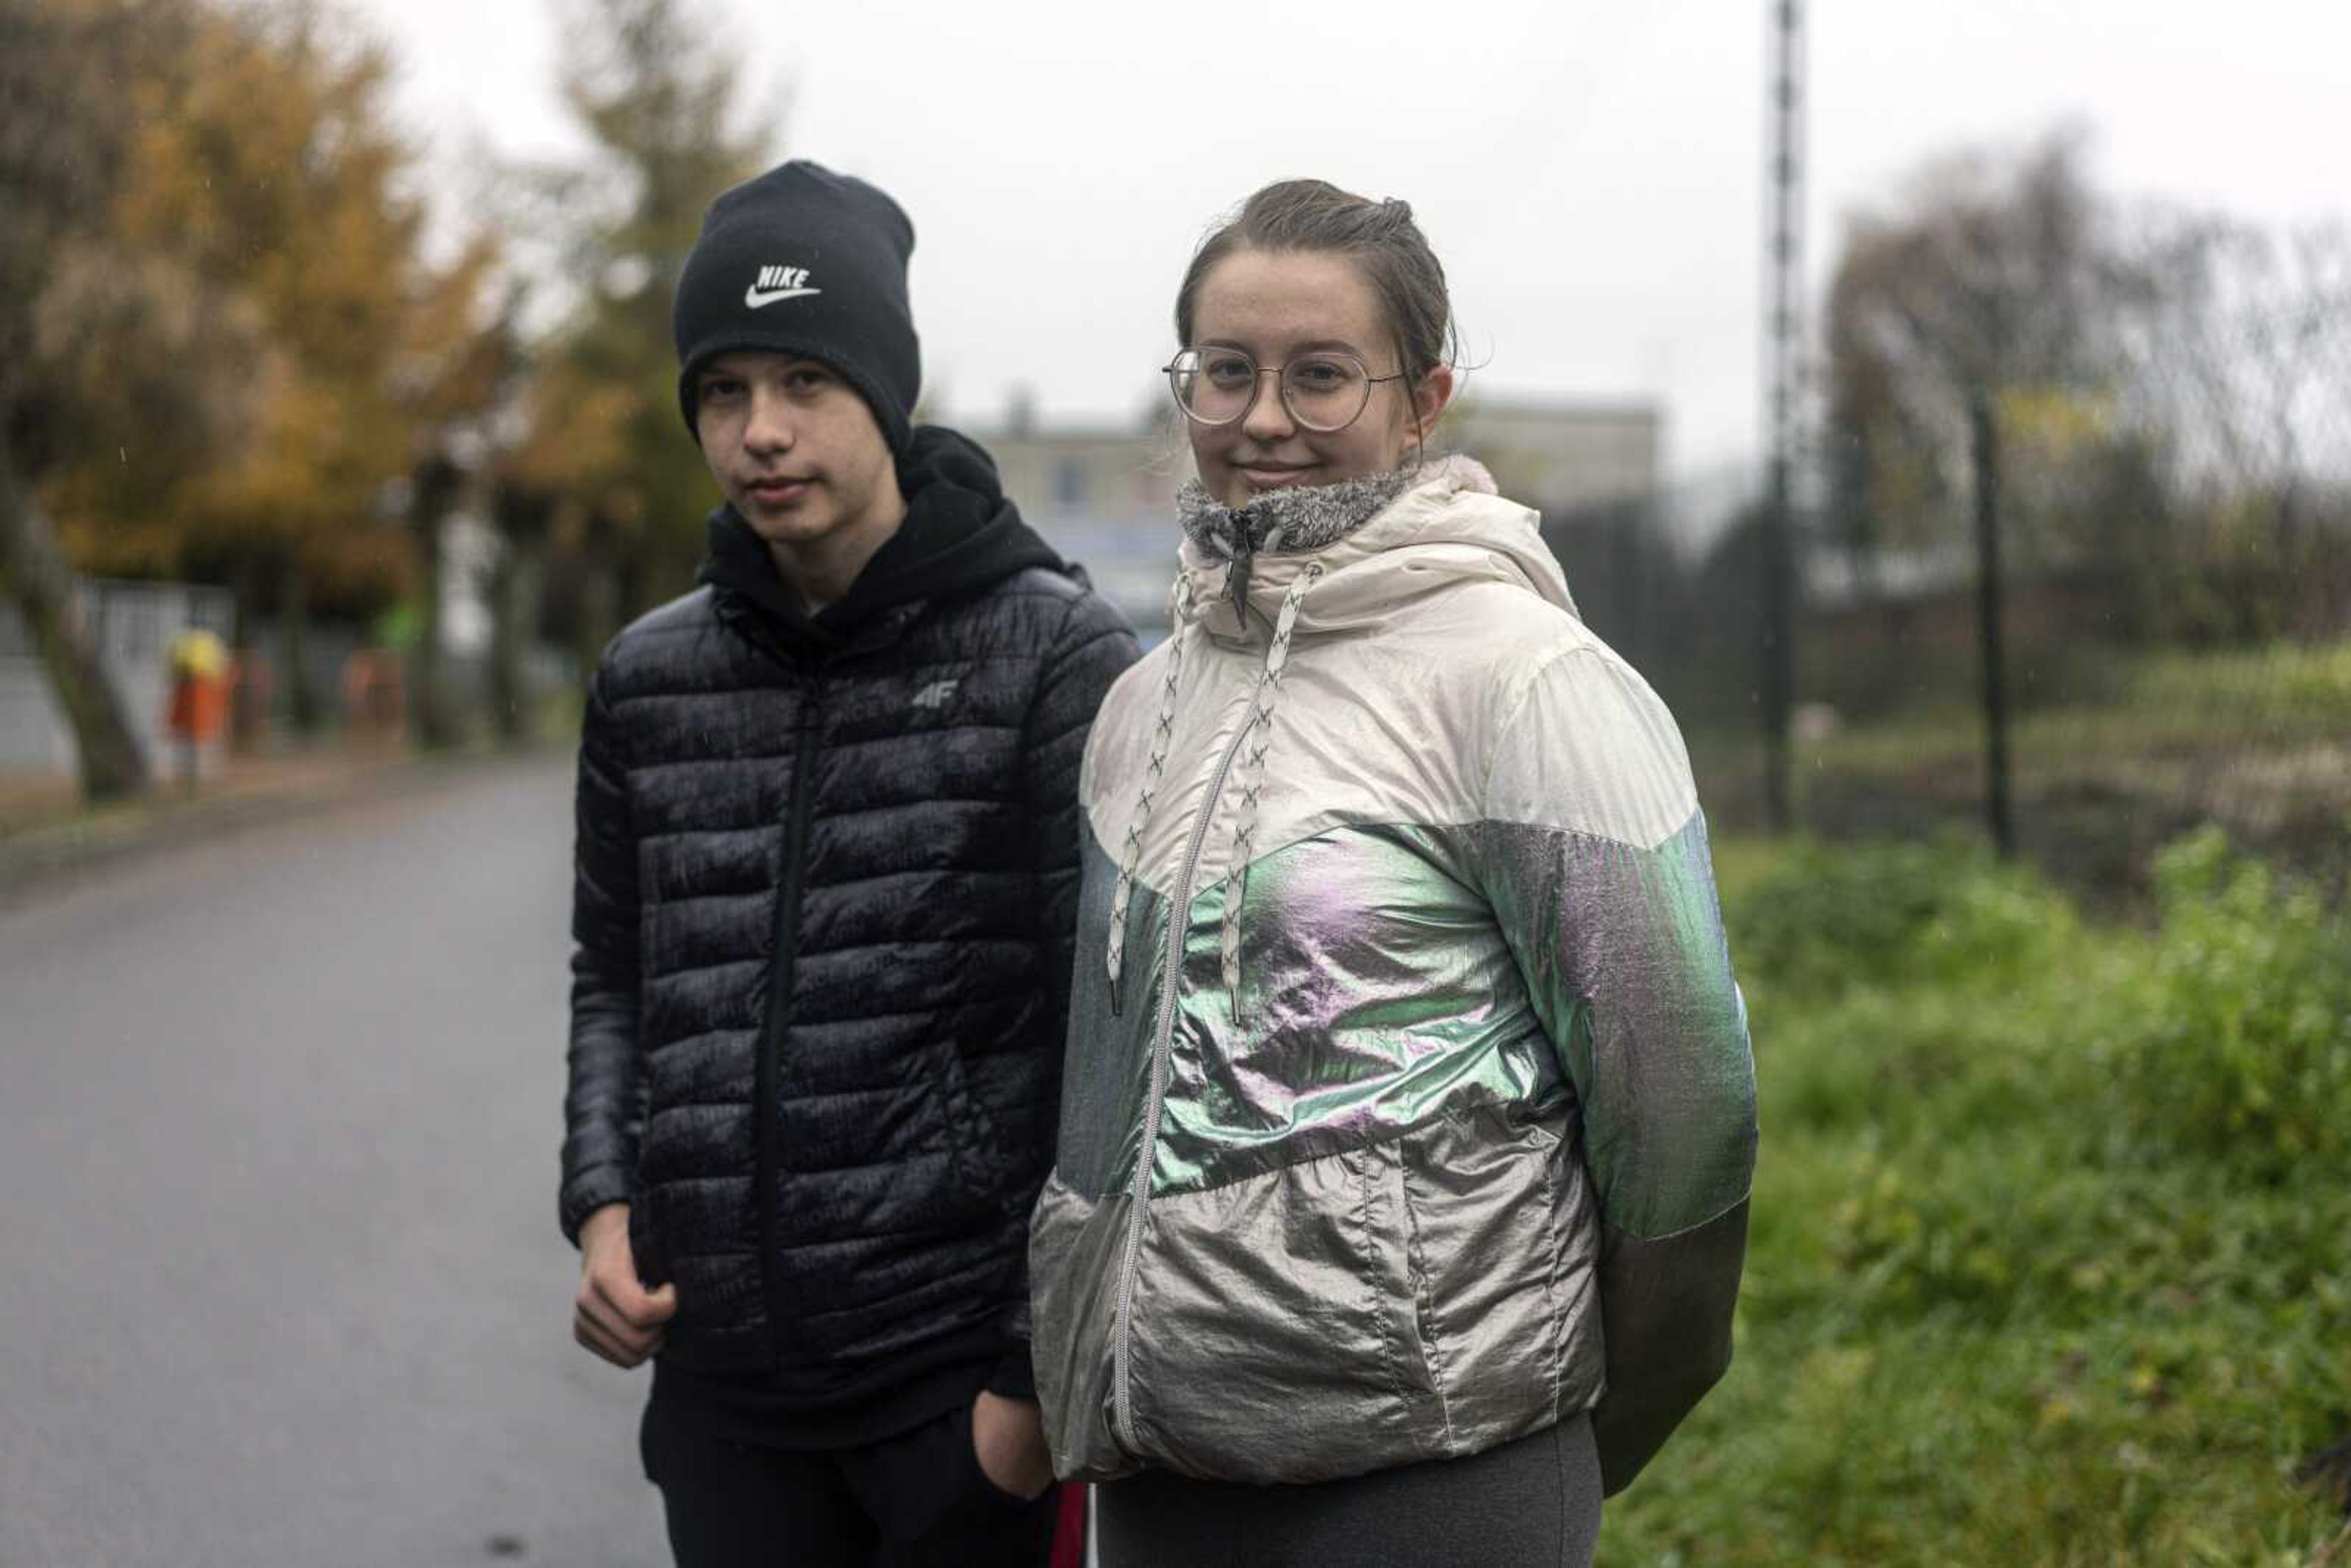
x=1408 y=1105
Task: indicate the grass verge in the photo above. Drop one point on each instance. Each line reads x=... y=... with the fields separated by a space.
x=2050 y=1223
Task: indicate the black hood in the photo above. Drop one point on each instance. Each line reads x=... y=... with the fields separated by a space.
x=962 y=536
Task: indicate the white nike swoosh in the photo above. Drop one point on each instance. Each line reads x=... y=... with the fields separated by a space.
x=756 y=296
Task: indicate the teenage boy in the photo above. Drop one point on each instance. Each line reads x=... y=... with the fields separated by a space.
x=826 y=877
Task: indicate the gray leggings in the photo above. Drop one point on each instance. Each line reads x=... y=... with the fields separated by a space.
x=1532 y=1503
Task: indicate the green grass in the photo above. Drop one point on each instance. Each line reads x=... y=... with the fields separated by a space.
x=2138 y=749
x=2050 y=1223
x=2157 y=705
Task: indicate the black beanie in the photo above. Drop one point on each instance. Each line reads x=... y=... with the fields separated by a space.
x=805 y=261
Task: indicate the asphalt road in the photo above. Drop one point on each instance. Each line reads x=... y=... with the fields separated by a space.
x=279 y=1278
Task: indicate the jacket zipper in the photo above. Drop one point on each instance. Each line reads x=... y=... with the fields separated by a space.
x=766 y=1092
x=1179 y=921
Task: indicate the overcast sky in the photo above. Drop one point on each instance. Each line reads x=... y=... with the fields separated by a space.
x=1590 y=174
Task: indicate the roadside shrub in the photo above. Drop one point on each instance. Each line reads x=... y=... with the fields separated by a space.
x=2239 y=1050
x=1824 y=919
x=2045 y=1264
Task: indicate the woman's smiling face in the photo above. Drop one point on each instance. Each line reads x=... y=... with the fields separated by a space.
x=1274 y=305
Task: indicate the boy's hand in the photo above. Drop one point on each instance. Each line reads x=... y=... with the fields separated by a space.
x=1008 y=1436
x=613 y=1314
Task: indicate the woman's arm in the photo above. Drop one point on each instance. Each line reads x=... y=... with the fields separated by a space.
x=1594 y=857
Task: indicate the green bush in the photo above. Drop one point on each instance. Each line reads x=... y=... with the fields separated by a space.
x=2046 y=1256
x=1826 y=918
x=2241 y=1051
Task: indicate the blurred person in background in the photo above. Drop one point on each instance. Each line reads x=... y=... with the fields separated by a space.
x=1409 y=1116
x=826 y=878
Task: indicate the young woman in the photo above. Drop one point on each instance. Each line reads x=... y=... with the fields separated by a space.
x=1408 y=1114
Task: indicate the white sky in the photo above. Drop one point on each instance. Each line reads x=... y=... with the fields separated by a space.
x=1590 y=174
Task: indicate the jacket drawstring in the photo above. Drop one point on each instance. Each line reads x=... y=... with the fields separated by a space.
x=1253 y=749
x=1241 y=563
x=1179 y=602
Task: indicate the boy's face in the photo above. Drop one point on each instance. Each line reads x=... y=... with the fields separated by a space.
x=793 y=446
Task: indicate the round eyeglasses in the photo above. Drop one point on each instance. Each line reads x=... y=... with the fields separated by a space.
x=1324 y=390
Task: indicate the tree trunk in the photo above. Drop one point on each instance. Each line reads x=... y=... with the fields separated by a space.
x=41 y=586
x=436 y=483
x=294 y=629
x=428 y=707
x=600 y=599
x=249 y=715
x=515 y=617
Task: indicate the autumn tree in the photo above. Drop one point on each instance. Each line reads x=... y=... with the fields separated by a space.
x=266 y=165
x=2242 y=364
x=114 y=358
x=277 y=172
x=1987 y=306
x=456 y=374
x=1996 y=282
x=604 y=463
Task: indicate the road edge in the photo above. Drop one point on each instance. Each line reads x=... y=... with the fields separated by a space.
x=41 y=860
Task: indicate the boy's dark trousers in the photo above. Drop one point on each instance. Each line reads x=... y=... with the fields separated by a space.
x=910 y=1500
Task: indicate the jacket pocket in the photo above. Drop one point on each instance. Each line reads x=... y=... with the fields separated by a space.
x=1502 y=1242
x=973 y=1142
x=1073 y=1251
x=1266 y=1341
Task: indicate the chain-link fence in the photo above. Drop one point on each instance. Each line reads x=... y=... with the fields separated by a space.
x=2170 y=600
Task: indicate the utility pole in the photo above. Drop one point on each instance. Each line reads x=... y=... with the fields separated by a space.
x=1783 y=292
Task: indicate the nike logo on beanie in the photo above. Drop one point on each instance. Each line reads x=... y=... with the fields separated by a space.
x=778 y=282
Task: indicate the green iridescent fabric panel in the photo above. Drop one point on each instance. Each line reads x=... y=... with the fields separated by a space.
x=1623 y=954
x=1376 y=994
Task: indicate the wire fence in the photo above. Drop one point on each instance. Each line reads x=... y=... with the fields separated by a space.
x=2169 y=599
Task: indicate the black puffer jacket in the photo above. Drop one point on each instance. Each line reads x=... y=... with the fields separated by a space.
x=826 y=880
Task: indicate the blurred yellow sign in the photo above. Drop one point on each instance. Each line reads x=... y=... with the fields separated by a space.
x=200 y=655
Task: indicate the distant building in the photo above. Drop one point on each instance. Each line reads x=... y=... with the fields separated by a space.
x=1105 y=495
x=1562 y=455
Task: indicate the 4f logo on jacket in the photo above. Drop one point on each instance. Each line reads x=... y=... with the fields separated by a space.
x=775 y=283
x=938 y=694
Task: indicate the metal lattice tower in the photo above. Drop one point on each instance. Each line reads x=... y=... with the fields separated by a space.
x=1783 y=338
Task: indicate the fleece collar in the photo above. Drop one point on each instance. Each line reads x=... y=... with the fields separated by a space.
x=1448 y=526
